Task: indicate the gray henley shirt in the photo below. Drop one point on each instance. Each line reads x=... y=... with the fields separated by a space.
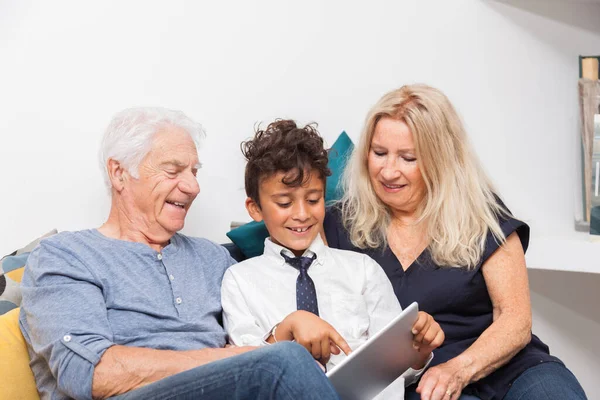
x=84 y=292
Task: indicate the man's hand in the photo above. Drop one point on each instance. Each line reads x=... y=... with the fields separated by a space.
x=122 y=368
x=427 y=336
x=317 y=336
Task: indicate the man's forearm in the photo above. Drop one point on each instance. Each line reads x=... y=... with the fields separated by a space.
x=122 y=369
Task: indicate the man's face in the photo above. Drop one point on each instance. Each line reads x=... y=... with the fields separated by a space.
x=159 y=199
x=293 y=215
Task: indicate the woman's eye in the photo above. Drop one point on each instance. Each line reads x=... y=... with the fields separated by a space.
x=409 y=159
x=379 y=153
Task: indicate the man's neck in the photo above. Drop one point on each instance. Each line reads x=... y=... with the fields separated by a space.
x=120 y=226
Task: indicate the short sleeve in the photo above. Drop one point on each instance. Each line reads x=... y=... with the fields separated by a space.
x=508 y=224
x=238 y=317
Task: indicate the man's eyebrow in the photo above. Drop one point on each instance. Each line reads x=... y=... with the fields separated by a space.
x=172 y=162
x=177 y=163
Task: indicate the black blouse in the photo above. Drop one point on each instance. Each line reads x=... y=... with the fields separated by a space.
x=458 y=300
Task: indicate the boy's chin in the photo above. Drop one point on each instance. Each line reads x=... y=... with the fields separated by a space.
x=296 y=246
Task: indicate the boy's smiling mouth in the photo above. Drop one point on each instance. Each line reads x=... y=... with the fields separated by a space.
x=300 y=229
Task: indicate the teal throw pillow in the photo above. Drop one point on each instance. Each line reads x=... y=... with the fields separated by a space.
x=339 y=154
x=250 y=238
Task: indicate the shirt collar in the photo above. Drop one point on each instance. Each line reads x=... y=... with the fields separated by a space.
x=173 y=245
x=273 y=251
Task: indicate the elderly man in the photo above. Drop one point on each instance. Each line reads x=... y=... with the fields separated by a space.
x=132 y=309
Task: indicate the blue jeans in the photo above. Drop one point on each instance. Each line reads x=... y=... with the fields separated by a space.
x=549 y=380
x=281 y=371
x=546 y=381
x=417 y=396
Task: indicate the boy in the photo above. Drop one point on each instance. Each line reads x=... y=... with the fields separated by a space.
x=325 y=299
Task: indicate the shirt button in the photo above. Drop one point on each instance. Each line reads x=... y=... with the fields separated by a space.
x=171 y=277
x=159 y=256
x=67 y=338
x=178 y=300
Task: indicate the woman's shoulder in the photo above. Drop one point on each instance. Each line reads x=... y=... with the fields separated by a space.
x=334 y=211
x=333 y=226
x=509 y=225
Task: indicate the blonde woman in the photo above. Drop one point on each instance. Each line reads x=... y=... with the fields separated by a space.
x=417 y=201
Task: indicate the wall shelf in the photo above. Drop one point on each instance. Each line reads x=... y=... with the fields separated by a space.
x=576 y=252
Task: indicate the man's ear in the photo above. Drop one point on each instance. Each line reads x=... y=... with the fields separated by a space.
x=254 y=210
x=116 y=174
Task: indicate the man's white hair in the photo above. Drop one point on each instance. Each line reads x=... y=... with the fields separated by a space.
x=128 y=138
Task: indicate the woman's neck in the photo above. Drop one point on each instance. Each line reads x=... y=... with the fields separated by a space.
x=406 y=218
x=407 y=238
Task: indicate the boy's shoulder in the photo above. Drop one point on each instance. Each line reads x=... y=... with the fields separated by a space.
x=354 y=260
x=250 y=264
x=350 y=255
x=262 y=262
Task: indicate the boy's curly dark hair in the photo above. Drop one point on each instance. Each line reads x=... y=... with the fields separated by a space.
x=284 y=147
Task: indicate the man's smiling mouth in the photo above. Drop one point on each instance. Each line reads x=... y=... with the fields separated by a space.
x=176 y=204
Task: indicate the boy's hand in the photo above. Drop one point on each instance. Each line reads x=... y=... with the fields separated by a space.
x=317 y=336
x=427 y=336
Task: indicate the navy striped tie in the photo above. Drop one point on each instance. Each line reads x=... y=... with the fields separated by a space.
x=306 y=295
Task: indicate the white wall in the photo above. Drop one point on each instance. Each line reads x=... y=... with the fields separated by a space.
x=66 y=67
x=567 y=318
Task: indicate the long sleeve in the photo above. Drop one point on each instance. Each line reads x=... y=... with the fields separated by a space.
x=239 y=321
x=383 y=306
x=64 y=317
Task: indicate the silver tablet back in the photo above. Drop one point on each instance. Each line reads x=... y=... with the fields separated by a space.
x=377 y=363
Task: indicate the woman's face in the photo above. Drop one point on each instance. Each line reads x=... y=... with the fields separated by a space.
x=393 y=167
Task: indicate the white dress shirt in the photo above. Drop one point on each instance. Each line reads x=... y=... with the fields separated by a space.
x=353 y=293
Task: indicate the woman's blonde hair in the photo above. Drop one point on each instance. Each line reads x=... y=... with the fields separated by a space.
x=460 y=205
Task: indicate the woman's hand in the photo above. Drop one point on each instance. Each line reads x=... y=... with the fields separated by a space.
x=505 y=276
x=317 y=336
x=427 y=336
x=443 y=382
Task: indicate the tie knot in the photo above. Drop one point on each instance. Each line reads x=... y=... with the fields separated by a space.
x=300 y=263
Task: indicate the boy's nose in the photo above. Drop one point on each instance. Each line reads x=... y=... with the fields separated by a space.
x=301 y=212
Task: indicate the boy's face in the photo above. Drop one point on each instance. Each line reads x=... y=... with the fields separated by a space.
x=293 y=215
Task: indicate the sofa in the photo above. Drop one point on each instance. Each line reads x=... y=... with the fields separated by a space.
x=16 y=377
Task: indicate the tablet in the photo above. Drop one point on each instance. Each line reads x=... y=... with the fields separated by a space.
x=379 y=361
